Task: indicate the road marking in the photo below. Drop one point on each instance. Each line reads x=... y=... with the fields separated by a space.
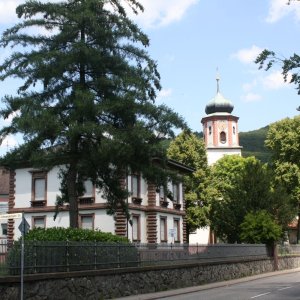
x=260 y=295
x=287 y=287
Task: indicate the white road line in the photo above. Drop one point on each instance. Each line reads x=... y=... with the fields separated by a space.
x=260 y=295
x=287 y=287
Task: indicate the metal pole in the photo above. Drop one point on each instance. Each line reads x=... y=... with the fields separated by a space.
x=22 y=257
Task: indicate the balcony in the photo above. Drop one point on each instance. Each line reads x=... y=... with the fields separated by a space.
x=137 y=200
x=38 y=203
x=86 y=200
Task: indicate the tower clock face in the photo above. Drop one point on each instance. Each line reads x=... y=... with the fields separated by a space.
x=222 y=124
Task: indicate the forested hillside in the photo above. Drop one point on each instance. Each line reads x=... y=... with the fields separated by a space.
x=253 y=143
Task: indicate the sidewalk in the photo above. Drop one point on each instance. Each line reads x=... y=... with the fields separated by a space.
x=161 y=295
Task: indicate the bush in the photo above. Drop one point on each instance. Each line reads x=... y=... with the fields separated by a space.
x=67 y=249
x=73 y=234
x=260 y=228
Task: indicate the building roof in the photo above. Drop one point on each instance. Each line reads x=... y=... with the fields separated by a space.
x=219 y=104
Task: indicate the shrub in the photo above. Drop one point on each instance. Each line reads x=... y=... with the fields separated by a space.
x=260 y=228
x=73 y=234
x=67 y=249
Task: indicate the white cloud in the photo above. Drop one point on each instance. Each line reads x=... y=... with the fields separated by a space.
x=164 y=93
x=279 y=9
x=249 y=55
x=9 y=142
x=275 y=81
x=156 y=12
x=251 y=97
x=8 y=10
x=159 y=13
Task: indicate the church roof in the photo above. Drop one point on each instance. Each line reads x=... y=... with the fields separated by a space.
x=219 y=104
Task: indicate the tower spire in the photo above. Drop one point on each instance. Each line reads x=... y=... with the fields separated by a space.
x=218 y=79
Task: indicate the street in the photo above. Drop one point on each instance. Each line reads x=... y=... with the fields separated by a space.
x=281 y=285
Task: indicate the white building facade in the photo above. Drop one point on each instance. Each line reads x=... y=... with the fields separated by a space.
x=154 y=218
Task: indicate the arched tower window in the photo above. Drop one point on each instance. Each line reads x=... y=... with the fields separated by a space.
x=209 y=130
x=222 y=137
x=233 y=129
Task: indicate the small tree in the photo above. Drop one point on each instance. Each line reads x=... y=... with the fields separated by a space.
x=190 y=150
x=260 y=228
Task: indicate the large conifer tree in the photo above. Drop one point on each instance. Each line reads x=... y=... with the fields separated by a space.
x=86 y=101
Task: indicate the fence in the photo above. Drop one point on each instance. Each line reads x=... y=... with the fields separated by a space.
x=44 y=257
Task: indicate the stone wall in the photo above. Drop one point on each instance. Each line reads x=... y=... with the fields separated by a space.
x=107 y=284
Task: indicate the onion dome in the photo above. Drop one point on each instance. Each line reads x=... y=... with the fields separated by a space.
x=219 y=104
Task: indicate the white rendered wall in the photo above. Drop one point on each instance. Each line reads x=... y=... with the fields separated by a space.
x=215 y=154
x=201 y=236
x=23 y=188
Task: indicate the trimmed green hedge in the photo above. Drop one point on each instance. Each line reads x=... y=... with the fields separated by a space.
x=73 y=234
x=66 y=249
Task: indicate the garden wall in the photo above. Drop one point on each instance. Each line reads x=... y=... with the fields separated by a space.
x=107 y=284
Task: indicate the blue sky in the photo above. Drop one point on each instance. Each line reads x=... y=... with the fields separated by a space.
x=190 y=39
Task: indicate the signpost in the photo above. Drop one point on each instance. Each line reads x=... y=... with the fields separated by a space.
x=24 y=228
x=10 y=216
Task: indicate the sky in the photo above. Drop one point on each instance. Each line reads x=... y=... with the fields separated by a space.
x=192 y=40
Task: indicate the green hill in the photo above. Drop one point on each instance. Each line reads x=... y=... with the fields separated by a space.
x=253 y=143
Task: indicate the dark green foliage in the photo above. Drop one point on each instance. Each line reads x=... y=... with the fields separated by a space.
x=244 y=185
x=87 y=95
x=60 y=249
x=260 y=228
x=189 y=149
x=73 y=234
x=253 y=143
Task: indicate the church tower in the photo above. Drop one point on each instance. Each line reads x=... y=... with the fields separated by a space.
x=220 y=128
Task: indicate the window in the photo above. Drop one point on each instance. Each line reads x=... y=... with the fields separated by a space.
x=209 y=130
x=87 y=221
x=136 y=228
x=135 y=186
x=39 y=222
x=88 y=196
x=176 y=230
x=233 y=129
x=163 y=229
x=175 y=193
x=3 y=229
x=161 y=193
x=39 y=188
x=222 y=137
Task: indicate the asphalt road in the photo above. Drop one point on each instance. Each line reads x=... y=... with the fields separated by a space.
x=280 y=285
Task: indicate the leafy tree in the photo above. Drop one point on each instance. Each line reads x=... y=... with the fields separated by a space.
x=190 y=150
x=86 y=101
x=283 y=139
x=260 y=228
x=245 y=185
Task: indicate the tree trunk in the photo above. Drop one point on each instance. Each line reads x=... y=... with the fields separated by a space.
x=72 y=194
